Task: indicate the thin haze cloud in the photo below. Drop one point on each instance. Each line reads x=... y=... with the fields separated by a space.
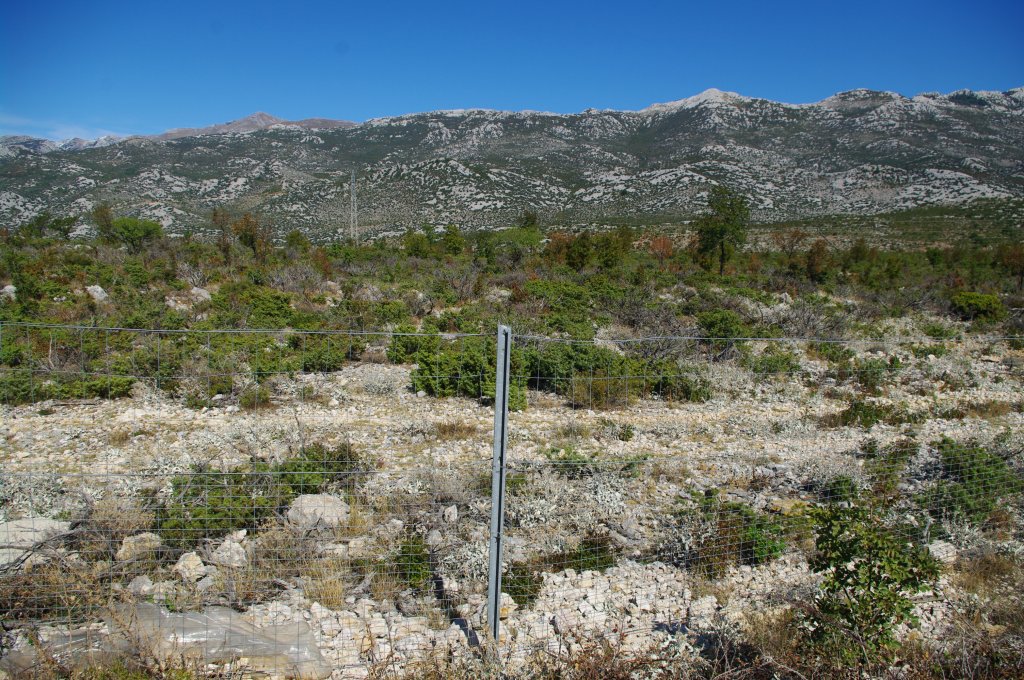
x=53 y=130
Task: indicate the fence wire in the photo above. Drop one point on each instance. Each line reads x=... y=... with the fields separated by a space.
x=311 y=503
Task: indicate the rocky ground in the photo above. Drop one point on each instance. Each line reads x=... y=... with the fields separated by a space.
x=619 y=474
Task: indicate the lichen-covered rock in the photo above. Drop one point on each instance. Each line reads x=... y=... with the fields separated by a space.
x=137 y=546
x=318 y=511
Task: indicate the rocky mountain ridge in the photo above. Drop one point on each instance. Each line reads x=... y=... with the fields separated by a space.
x=859 y=152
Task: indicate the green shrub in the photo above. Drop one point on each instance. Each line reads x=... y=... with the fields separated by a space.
x=465 y=369
x=20 y=387
x=722 y=327
x=736 y=534
x=412 y=562
x=524 y=580
x=665 y=379
x=254 y=398
x=872 y=372
x=403 y=348
x=939 y=331
x=868 y=413
x=869 y=575
x=971 y=306
x=840 y=489
x=323 y=355
x=572 y=464
x=936 y=350
x=885 y=466
x=206 y=503
x=774 y=362
x=834 y=352
x=975 y=480
x=598 y=390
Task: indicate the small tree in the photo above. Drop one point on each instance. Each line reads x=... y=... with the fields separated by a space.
x=296 y=241
x=452 y=241
x=870 y=574
x=253 y=235
x=44 y=224
x=725 y=228
x=578 y=251
x=135 y=233
x=661 y=249
x=817 y=261
x=103 y=217
x=1011 y=258
x=221 y=221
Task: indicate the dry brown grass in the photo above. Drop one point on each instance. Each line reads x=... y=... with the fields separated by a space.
x=451 y=430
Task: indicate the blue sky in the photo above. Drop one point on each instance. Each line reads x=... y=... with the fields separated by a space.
x=90 y=68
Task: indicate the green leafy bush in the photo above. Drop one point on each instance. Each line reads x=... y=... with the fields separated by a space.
x=722 y=327
x=774 y=362
x=975 y=479
x=971 y=306
x=834 y=352
x=412 y=562
x=572 y=464
x=20 y=387
x=840 y=489
x=463 y=369
x=869 y=575
x=866 y=414
x=207 y=503
x=403 y=348
x=733 y=533
x=524 y=580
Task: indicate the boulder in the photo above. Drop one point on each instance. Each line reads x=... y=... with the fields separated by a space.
x=190 y=567
x=97 y=293
x=26 y=533
x=318 y=511
x=8 y=293
x=139 y=545
x=943 y=551
x=141 y=586
x=229 y=554
x=701 y=614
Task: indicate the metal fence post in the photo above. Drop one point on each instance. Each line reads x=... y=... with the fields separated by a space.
x=501 y=381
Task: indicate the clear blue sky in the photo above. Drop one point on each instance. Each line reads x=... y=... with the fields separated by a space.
x=85 y=68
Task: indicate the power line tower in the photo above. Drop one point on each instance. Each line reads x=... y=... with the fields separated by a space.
x=353 y=217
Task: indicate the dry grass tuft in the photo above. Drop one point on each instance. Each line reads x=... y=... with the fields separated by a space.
x=449 y=430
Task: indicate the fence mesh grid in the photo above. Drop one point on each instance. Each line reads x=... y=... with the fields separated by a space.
x=319 y=501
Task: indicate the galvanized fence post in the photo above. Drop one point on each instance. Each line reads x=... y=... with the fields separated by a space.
x=501 y=386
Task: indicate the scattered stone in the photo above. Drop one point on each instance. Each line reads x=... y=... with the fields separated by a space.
x=318 y=511
x=141 y=586
x=97 y=293
x=701 y=614
x=190 y=567
x=450 y=514
x=137 y=546
x=943 y=551
x=9 y=293
x=230 y=554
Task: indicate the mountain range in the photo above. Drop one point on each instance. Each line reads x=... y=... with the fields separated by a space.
x=857 y=152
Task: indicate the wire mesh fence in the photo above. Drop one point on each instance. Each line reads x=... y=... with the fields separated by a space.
x=320 y=502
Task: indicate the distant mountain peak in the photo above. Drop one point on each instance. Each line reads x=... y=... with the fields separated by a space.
x=260 y=120
x=709 y=97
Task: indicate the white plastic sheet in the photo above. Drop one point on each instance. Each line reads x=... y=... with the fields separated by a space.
x=217 y=635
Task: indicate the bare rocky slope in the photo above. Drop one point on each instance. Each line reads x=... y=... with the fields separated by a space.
x=855 y=152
